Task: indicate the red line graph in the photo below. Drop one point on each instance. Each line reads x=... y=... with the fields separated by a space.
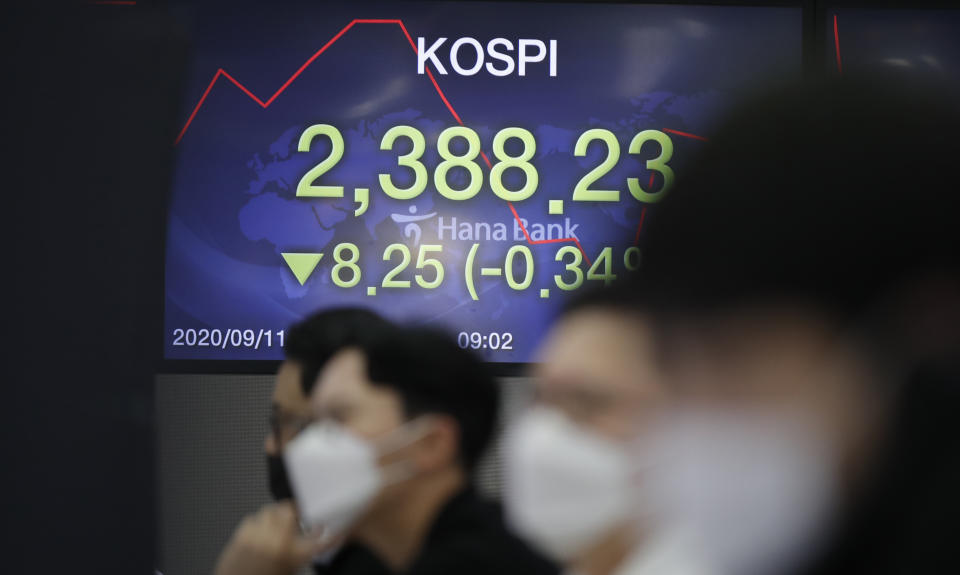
x=281 y=89
x=685 y=134
x=643 y=215
x=836 y=42
x=265 y=104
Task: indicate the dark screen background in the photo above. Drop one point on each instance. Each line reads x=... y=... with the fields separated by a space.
x=918 y=42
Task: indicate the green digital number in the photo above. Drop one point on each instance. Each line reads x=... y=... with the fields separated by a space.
x=582 y=191
x=508 y=265
x=388 y=281
x=467 y=160
x=410 y=160
x=573 y=266
x=307 y=187
x=658 y=164
x=631 y=258
x=424 y=262
x=507 y=161
x=605 y=259
x=350 y=264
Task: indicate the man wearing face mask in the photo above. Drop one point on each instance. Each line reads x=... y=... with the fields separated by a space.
x=309 y=344
x=806 y=282
x=401 y=420
x=570 y=475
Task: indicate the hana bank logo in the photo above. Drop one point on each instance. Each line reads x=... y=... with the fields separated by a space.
x=412 y=227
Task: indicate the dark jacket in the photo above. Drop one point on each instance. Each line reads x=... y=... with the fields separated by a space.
x=352 y=559
x=469 y=537
x=904 y=521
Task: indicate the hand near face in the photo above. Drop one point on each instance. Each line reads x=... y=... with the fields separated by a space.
x=269 y=543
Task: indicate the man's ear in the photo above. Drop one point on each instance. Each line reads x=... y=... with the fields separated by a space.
x=440 y=445
x=270 y=446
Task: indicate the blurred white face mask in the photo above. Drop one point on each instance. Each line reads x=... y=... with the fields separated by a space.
x=752 y=491
x=334 y=473
x=566 y=487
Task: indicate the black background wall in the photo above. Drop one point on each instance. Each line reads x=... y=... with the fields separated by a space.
x=91 y=94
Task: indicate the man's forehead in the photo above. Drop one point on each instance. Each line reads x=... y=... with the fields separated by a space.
x=345 y=387
x=758 y=335
x=344 y=374
x=596 y=336
x=595 y=348
x=771 y=354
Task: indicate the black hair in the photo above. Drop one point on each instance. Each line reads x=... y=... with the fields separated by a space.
x=432 y=374
x=827 y=195
x=313 y=341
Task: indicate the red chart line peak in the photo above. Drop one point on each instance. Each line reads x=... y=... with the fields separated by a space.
x=265 y=104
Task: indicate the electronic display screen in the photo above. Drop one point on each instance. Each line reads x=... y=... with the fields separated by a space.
x=915 y=41
x=465 y=165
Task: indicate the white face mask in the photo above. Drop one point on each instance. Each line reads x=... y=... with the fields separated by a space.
x=566 y=487
x=751 y=491
x=334 y=473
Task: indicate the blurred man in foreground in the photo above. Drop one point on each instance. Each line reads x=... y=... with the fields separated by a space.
x=804 y=277
x=401 y=420
x=309 y=345
x=570 y=476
